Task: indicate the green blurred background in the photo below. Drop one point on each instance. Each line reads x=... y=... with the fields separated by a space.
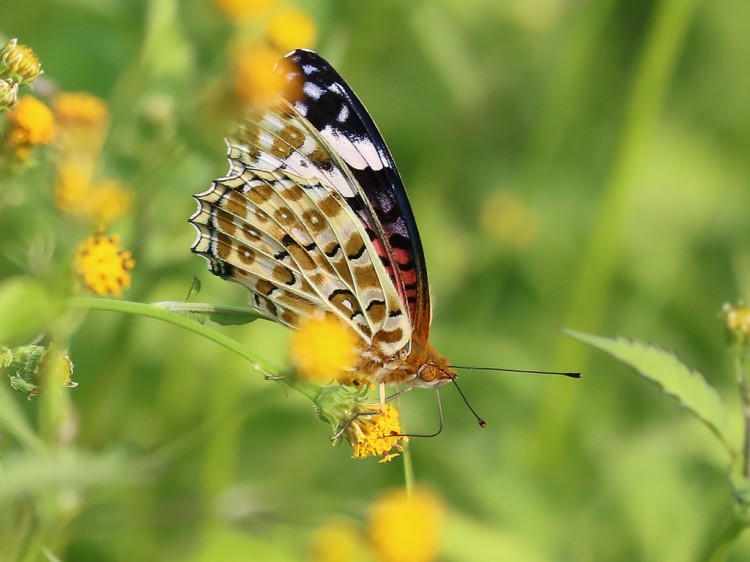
x=570 y=164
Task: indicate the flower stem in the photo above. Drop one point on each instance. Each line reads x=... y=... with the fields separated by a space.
x=726 y=541
x=738 y=361
x=258 y=364
x=408 y=469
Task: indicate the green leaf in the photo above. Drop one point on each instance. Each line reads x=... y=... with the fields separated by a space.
x=222 y=315
x=686 y=385
x=25 y=309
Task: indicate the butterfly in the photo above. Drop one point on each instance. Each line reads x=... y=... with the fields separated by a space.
x=313 y=219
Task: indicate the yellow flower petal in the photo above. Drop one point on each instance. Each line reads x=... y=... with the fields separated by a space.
x=242 y=10
x=19 y=62
x=108 y=201
x=255 y=80
x=80 y=109
x=336 y=541
x=72 y=188
x=31 y=123
x=292 y=29
x=323 y=349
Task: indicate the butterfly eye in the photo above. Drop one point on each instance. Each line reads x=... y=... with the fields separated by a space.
x=426 y=372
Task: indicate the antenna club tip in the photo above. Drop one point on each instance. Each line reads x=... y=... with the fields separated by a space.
x=575 y=375
x=482 y=423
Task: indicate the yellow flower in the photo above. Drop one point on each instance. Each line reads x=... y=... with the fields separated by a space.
x=19 y=62
x=103 y=265
x=82 y=120
x=323 y=349
x=80 y=109
x=31 y=123
x=72 y=189
x=336 y=541
x=291 y=29
x=374 y=432
x=8 y=94
x=255 y=79
x=239 y=10
x=101 y=203
x=108 y=200
x=737 y=322
x=406 y=528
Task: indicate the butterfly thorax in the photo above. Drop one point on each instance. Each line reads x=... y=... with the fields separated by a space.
x=422 y=366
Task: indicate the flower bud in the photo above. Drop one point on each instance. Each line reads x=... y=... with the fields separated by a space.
x=8 y=94
x=19 y=62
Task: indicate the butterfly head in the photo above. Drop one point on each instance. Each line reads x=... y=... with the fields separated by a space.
x=433 y=369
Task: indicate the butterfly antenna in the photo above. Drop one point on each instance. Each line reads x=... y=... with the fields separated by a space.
x=572 y=375
x=480 y=421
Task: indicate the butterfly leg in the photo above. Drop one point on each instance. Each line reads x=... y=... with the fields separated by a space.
x=399 y=393
x=440 y=414
x=381 y=392
x=349 y=422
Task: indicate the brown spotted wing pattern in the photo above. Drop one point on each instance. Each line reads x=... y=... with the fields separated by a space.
x=313 y=219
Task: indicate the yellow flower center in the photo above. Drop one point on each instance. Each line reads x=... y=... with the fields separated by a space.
x=376 y=432
x=103 y=265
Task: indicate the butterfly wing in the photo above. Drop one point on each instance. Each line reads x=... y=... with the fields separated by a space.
x=378 y=195
x=278 y=225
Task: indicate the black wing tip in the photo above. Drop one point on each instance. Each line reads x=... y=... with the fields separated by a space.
x=298 y=54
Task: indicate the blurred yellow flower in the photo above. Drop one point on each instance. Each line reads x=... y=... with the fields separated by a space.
x=737 y=321
x=31 y=123
x=72 y=188
x=507 y=219
x=336 y=541
x=406 y=528
x=239 y=10
x=375 y=431
x=255 y=80
x=108 y=201
x=82 y=120
x=19 y=63
x=75 y=194
x=103 y=265
x=8 y=94
x=80 y=109
x=291 y=29
x=323 y=349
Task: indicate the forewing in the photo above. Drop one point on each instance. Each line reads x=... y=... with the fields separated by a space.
x=277 y=225
x=377 y=195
